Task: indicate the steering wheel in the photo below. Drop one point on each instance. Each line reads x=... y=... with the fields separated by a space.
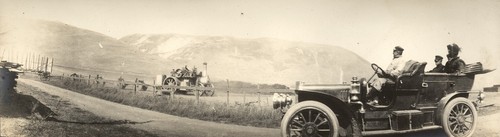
x=381 y=73
x=377 y=69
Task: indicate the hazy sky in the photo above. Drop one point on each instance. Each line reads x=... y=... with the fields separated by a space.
x=369 y=28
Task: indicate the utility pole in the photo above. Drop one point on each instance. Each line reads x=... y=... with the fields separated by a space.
x=51 y=65
x=26 y=62
x=11 y=59
x=3 y=54
x=42 y=64
x=38 y=63
x=17 y=57
x=42 y=60
x=46 y=63
x=32 y=61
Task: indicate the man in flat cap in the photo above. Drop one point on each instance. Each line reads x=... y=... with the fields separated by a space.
x=394 y=70
x=454 y=64
x=439 y=65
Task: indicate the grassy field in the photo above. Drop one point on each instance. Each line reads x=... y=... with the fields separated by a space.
x=248 y=115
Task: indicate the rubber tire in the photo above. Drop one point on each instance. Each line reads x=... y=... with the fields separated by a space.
x=447 y=111
x=308 y=105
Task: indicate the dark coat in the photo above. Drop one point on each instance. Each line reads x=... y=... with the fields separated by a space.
x=438 y=69
x=455 y=65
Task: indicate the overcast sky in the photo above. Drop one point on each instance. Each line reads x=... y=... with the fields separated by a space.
x=369 y=28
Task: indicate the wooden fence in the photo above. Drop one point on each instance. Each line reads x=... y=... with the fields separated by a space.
x=160 y=88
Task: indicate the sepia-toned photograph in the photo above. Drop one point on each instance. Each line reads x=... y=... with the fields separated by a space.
x=249 y=68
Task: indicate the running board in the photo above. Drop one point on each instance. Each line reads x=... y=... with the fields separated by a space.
x=390 y=131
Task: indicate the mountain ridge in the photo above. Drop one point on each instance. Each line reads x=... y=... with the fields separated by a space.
x=259 y=60
x=272 y=56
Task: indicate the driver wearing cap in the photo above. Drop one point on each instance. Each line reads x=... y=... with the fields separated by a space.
x=439 y=65
x=394 y=69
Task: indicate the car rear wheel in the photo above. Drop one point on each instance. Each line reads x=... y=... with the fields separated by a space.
x=309 y=119
x=459 y=118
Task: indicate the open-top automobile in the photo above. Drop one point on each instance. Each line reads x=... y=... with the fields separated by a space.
x=416 y=101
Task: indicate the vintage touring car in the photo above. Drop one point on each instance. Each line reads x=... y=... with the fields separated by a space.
x=416 y=101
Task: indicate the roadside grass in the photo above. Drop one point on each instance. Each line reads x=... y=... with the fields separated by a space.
x=69 y=121
x=247 y=115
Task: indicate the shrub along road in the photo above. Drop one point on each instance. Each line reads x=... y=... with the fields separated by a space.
x=155 y=122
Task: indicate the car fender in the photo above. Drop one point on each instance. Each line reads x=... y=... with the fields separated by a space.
x=337 y=105
x=324 y=98
x=442 y=103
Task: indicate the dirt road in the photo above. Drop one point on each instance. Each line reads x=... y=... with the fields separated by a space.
x=168 y=125
x=488 y=124
x=157 y=123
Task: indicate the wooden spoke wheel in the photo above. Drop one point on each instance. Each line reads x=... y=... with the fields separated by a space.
x=459 y=118
x=309 y=119
x=210 y=92
x=170 y=82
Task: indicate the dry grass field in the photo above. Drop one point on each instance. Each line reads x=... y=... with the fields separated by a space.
x=207 y=108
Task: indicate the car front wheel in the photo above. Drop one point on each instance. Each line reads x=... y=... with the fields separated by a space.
x=459 y=118
x=309 y=119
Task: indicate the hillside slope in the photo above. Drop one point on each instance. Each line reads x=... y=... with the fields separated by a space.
x=72 y=47
x=262 y=60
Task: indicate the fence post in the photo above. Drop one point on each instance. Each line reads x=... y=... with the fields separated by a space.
x=258 y=94
x=62 y=76
x=227 y=99
x=103 y=83
x=267 y=100
x=197 y=90
x=227 y=95
x=154 y=87
x=172 y=92
x=88 y=81
x=135 y=86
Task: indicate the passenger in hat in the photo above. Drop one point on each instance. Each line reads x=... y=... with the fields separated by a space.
x=454 y=64
x=439 y=65
x=394 y=70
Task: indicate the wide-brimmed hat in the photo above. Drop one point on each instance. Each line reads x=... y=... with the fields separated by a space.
x=453 y=49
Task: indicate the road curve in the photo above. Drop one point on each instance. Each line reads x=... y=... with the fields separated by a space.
x=161 y=124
